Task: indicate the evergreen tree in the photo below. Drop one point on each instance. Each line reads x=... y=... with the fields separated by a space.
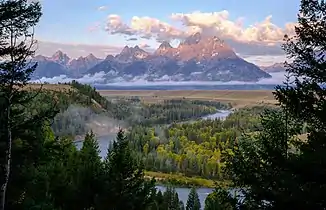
x=17 y=18
x=88 y=173
x=125 y=185
x=171 y=199
x=220 y=199
x=275 y=169
x=158 y=201
x=193 y=202
x=305 y=101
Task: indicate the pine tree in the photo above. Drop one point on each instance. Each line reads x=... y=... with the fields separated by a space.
x=17 y=19
x=220 y=199
x=305 y=101
x=193 y=202
x=125 y=185
x=171 y=200
x=274 y=168
x=88 y=173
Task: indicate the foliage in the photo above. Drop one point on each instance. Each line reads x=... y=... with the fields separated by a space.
x=274 y=169
x=192 y=149
x=17 y=18
x=124 y=178
x=180 y=180
x=81 y=105
x=220 y=199
x=169 y=200
x=170 y=111
x=193 y=202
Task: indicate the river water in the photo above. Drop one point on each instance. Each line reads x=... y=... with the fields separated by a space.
x=183 y=193
x=221 y=114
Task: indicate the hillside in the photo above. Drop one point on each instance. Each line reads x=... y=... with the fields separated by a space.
x=80 y=108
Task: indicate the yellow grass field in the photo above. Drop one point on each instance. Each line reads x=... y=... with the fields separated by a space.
x=237 y=98
x=55 y=87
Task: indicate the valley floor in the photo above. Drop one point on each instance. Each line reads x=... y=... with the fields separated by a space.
x=237 y=98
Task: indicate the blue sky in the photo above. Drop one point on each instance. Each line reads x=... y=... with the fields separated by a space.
x=69 y=22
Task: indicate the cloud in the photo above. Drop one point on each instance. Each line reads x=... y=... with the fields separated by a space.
x=263 y=60
x=259 y=39
x=218 y=23
x=144 y=45
x=94 y=27
x=32 y=1
x=146 y=27
x=100 y=79
x=132 y=39
x=102 y=8
x=75 y=50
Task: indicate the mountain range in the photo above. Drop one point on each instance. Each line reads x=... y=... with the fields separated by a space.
x=197 y=58
x=276 y=67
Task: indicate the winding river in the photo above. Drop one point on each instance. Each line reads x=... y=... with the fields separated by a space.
x=182 y=192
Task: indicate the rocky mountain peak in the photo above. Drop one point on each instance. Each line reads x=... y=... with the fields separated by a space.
x=60 y=57
x=192 y=39
x=126 y=50
x=137 y=47
x=40 y=58
x=276 y=67
x=131 y=53
x=198 y=58
x=165 y=48
x=109 y=57
x=198 y=47
x=165 y=45
x=91 y=57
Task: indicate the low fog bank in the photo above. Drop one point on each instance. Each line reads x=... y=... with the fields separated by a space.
x=100 y=78
x=78 y=120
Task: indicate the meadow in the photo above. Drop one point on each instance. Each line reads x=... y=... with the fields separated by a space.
x=237 y=98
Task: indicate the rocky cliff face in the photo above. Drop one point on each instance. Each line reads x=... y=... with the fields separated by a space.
x=196 y=58
x=61 y=64
x=198 y=48
x=130 y=54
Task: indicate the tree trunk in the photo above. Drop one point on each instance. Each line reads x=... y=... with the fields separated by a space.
x=8 y=163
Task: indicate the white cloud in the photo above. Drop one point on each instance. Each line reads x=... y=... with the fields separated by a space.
x=216 y=23
x=88 y=79
x=75 y=50
x=262 y=60
x=32 y=1
x=99 y=78
x=258 y=43
x=94 y=27
x=102 y=8
x=260 y=39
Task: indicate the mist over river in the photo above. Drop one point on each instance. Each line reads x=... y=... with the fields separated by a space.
x=104 y=142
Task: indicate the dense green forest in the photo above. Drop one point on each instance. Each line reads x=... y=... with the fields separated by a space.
x=193 y=149
x=256 y=149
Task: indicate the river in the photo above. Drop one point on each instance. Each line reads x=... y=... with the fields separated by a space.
x=183 y=193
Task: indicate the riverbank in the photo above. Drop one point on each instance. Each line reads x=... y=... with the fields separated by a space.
x=179 y=180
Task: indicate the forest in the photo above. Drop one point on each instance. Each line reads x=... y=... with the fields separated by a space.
x=195 y=148
x=257 y=150
x=82 y=104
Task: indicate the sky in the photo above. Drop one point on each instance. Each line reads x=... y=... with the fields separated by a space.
x=253 y=28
